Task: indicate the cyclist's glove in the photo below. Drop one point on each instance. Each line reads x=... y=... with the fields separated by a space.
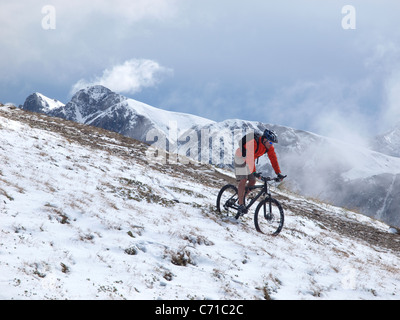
x=281 y=176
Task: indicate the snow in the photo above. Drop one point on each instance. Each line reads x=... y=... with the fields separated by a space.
x=163 y=118
x=89 y=222
x=366 y=163
x=388 y=142
x=48 y=103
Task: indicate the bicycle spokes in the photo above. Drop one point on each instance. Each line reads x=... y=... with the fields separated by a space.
x=269 y=218
x=227 y=201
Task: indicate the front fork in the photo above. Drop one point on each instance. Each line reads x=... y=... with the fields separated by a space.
x=268 y=215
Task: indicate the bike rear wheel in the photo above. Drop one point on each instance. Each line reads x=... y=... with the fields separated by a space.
x=269 y=217
x=227 y=201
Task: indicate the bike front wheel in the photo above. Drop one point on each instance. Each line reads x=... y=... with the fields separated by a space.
x=269 y=217
x=227 y=200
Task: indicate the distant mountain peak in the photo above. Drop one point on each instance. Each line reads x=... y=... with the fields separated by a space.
x=96 y=93
x=38 y=102
x=90 y=102
x=388 y=143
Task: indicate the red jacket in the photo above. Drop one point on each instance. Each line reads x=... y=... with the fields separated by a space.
x=251 y=155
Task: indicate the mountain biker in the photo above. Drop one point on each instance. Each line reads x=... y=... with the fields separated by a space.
x=251 y=147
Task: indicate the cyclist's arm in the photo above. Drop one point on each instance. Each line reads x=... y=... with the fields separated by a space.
x=274 y=160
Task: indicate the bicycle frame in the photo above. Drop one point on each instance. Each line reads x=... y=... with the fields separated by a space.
x=264 y=190
x=269 y=214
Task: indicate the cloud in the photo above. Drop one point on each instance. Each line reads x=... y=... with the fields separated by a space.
x=329 y=107
x=24 y=18
x=205 y=42
x=140 y=9
x=391 y=109
x=385 y=64
x=130 y=77
x=84 y=29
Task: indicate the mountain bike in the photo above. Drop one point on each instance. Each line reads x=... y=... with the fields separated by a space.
x=268 y=217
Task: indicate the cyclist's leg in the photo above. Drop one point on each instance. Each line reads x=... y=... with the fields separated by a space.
x=241 y=190
x=242 y=176
x=249 y=181
x=252 y=181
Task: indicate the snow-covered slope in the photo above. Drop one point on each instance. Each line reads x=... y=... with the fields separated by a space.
x=339 y=172
x=89 y=214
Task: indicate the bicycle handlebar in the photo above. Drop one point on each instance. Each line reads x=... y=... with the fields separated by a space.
x=267 y=179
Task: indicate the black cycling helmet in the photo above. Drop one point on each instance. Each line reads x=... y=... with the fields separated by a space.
x=270 y=135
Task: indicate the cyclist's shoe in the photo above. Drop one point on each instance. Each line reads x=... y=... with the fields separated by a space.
x=241 y=211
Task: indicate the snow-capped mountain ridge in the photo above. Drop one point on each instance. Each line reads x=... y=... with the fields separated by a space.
x=86 y=214
x=99 y=106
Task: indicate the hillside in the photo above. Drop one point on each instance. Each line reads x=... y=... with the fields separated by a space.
x=341 y=172
x=90 y=214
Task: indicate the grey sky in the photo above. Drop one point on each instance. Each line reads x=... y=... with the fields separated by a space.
x=283 y=62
